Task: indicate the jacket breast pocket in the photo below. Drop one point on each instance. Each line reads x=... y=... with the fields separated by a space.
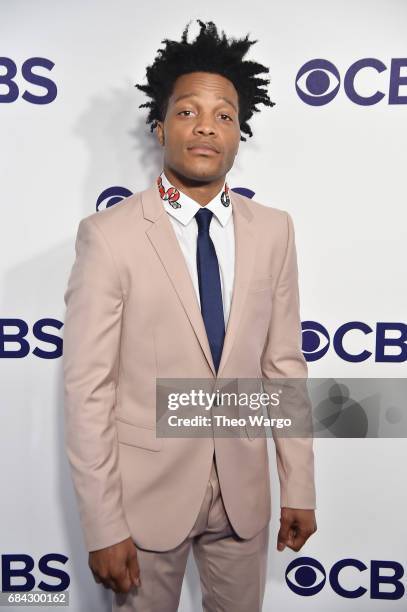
x=260 y=284
x=134 y=435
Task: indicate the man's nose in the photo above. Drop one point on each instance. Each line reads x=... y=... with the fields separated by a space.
x=205 y=126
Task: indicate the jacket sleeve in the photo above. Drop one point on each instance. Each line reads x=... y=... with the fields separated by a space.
x=282 y=358
x=92 y=328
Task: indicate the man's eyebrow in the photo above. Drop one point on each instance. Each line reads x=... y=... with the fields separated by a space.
x=192 y=95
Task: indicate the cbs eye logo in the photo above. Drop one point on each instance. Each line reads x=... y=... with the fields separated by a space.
x=313 y=82
x=305 y=576
x=315 y=340
x=318 y=81
x=111 y=196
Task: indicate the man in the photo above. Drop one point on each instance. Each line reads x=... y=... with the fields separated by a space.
x=185 y=279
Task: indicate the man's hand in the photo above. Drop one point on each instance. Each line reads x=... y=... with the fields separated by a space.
x=116 y=566
x=296 y=526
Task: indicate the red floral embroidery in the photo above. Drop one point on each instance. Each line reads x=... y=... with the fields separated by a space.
x=172 y=194
x=225 y=197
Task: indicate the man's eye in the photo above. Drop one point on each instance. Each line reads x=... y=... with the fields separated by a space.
x=189 y=111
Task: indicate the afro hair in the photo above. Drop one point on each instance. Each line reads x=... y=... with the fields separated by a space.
x=207 y=53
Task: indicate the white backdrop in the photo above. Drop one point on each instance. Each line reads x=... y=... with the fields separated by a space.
x=338 y=168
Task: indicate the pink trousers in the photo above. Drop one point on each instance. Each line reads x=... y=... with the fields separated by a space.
x=232 y=570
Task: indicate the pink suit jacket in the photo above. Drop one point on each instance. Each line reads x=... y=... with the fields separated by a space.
x=132 y=316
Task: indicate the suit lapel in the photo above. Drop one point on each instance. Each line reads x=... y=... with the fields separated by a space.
x=162 y=236
x=245 y=247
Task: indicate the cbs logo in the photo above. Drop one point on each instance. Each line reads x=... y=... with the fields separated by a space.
x=14 y=342
x=45 y=567
x=316 y=341
x=8 y=73
x=306 y=576
x=318 y=82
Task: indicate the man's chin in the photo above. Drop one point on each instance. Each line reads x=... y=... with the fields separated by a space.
x=202 y=171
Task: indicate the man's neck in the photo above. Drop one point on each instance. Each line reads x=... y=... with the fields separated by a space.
x=199 y=191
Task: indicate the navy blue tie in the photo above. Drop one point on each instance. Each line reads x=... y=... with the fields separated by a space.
x=210 y=290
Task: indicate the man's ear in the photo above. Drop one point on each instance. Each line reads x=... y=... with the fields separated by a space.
x=160 y=133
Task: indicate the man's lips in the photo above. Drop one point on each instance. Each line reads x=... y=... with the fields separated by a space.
x=203 y=149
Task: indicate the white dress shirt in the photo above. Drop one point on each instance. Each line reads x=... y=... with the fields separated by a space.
x=221 y=231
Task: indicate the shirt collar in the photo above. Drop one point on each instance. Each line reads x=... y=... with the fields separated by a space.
x=188 y=207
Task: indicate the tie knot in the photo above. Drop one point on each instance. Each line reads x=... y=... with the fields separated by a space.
x=203 y=218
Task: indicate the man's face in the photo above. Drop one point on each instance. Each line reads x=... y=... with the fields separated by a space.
x=203 y=108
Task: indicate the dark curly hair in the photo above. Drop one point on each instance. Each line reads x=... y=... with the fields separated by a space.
x=207 y=53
